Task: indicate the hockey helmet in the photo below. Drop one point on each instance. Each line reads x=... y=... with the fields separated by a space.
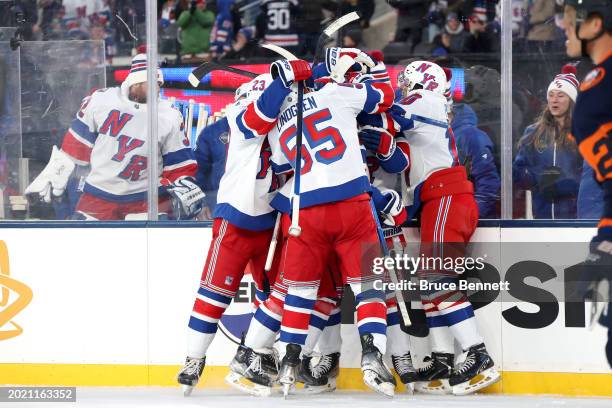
x=422 y=75
x=252 y=89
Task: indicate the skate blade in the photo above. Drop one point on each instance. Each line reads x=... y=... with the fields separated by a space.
x=482 y=380
x=240 y=383
x=187 y=390
x=309 y=389
x=435 y=387
x=286 y=388
x=386 y=388
x=409 y=388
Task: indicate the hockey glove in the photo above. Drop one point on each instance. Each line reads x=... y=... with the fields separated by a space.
x=51 y=182
x=377 y=140
x=289 y=71
x=187 y=197
x=388 y=203
x=361 y=62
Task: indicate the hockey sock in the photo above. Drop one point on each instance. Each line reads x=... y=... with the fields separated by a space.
x=207 y=310
x=398 y=342
x=440 y=337
x=318 y=321
x=371 y=314
x=299 y=303
x=265 y=323
x=330 y=340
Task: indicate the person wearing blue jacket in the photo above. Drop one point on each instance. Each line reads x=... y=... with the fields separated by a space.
x=475 y=150
x=590 y=195
x=210 y=153
x=548 y=162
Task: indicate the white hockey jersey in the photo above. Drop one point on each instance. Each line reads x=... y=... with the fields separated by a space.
x=332 y=164
x=422 y=120
x=109 y=133
x=248 y=183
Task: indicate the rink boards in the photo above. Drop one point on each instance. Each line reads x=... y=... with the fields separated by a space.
x=109 y=307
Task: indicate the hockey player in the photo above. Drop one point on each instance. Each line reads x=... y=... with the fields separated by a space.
x=443 y=198
x=109 y=134
x=277 y=23
x=334 y=194
x=242 y=229
x=588 y=26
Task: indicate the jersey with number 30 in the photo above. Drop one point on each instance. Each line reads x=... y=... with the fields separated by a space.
x=109 y=133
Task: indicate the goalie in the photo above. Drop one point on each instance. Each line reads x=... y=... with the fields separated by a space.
x=109 y=134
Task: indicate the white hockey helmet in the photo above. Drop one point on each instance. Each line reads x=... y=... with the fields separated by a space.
x=422 y=75
x=252 y=89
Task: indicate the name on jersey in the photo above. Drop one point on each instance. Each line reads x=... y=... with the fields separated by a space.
x=291 y=112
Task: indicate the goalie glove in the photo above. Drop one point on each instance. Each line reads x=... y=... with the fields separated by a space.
x=377 y=140
x=187 y=197
x=388 y=203
x=52 y=181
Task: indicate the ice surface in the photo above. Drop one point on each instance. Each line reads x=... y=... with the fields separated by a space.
x=173 y=398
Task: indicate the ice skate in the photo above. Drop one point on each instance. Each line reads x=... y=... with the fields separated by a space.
x=376 y=374
x=475 y=373
x=287 y=374
x=405 y=369
x=190 y=374
x=433 y=378
x=322 y=376
x=247 y=373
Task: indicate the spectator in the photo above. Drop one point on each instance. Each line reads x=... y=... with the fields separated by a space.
x=50 y=19
x=365 y=8
x=547 y=162
x=541 y=25
x=352 y=39
x=277 y=24
x=223 y=31
x=483 y=37
x=196 y=25
x=590 y=195
x=475 y=150
x=243 y=47
x=310 y=21
x=98 y=32
x=410 y=20
x=435 y=18
x=456 y=33
x=441 y=45
x=210 y=153
x=30 y=13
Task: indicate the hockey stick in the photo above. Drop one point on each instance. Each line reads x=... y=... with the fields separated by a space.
x=294 y=229
x=392 y=273
x=279 y=50
x=201 y=70
x=273 y=241
x=331 y=30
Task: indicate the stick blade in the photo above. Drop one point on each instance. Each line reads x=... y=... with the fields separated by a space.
x=193 y=80
x=341 y=22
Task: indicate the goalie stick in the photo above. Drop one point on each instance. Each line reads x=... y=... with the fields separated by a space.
x=201 y=70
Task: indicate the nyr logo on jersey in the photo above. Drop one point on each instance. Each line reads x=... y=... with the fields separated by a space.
x=113 y=125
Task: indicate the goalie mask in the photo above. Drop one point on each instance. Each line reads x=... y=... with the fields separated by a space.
x=422 y=75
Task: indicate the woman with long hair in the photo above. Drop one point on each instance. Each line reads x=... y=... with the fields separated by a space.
x=547 y=162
